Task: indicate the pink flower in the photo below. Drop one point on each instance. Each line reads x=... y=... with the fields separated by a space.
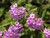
x=46 y=33
x=15 y=13
x=32 y=15
x=34 y=23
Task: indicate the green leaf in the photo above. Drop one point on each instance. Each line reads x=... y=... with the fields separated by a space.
x=1 y=11
x=2 y=29
x=42 y=35
x=40 y=1
x=31 y=36
x=43 y=14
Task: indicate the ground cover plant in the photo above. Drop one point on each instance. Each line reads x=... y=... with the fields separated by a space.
x=24 y=18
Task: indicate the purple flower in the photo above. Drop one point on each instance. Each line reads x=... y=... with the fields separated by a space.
x=38 y=21
x=29 y=18
x=14 y=31
x=31 y=26
x=32 y=15
x=22 y=9
x=17 y=23
x=15 y=13
x=34 y=23
x=14 y=6
x=30 y=21
x=46 y=33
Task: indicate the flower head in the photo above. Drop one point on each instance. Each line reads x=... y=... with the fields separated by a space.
x=34 y=23
x=46 y=33
x=15 y=13
x=32 y=15
x=13 y=31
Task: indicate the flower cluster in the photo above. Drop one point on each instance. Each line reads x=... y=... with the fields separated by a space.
x=13 y=31
x=15 y=13
x=47 y=33
x=34 y=23
x=16 y=30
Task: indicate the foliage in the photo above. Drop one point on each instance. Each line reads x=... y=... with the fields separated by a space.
x=41 y=8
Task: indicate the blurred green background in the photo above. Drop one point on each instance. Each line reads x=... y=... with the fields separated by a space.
x=41 y=9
